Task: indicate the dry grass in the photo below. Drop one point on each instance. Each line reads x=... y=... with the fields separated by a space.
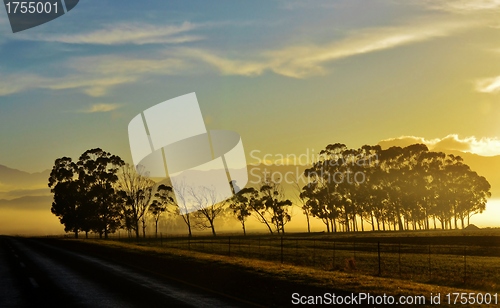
x=350 y=280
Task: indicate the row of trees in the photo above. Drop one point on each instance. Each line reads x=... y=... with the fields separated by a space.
x=100 y=193
x=403 y=188
x=397 y=188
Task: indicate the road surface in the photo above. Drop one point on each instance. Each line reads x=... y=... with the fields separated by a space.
x=36 y=274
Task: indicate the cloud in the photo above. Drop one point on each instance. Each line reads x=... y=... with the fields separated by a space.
x=226 y=66
x=101 y=108
x=125 y=33
x=97 y=75
x=302 y=61
x=462 y=6
x=14 y=83
x=483 y=146
x=127 y=66
x=95 y=86
x=94 y=76
x=488 y=85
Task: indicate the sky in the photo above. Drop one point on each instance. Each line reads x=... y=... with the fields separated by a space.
x=288 y=76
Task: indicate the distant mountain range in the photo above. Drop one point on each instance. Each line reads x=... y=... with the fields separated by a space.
x=28 y=203
x=16 y=179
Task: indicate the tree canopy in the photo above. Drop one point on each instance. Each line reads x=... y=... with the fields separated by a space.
x=405 y=188
x=84 y=194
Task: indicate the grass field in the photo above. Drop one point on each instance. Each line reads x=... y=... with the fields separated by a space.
x=447 y=258
x=340 y=263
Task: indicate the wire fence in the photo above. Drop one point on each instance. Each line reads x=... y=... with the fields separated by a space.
x=454 y=265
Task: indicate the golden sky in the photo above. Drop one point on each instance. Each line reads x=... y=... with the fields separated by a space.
x=288 y=76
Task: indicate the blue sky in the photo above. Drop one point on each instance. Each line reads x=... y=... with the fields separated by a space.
x=286 y=75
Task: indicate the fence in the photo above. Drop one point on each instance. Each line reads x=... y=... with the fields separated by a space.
x=454 y=265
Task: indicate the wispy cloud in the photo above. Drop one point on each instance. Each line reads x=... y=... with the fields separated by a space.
x=482 y=146
x=125 y=33
x=96 y=75
x=461 y=6
x=11 y=83
x=224 y=65
x=301 y=61
x=127 y=65
x=96 y=108
x=488 y=85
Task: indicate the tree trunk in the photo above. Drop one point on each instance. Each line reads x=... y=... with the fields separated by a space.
x=213 y=228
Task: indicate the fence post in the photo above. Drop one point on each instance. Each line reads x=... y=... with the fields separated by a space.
x=296 y=251
x=282 y=249
x=333 y=257
x=430 y=270
x=314 y=253
x=465 y=264
x=399 y=259
x=379 y=267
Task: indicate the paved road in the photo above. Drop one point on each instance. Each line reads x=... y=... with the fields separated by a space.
x=34 y=274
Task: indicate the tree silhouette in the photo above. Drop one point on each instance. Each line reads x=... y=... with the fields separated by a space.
x=181 y=203
x=402 y=187
x=137 y=190
x=67 y=195
x=84 y=194
x=241 y=205
x=159 y=206
x=208 y=209
x=97 y=171
x=272 y=202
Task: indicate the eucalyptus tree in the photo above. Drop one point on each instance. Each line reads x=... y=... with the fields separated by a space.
x=475 y=196
x=68 y=195
x=273 y=199
x=97 y=171
x=84 y=194
x=163 y=198
x=241 y=205
x=402 y=188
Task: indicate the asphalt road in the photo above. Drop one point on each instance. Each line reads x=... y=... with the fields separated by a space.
x=35 y=274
